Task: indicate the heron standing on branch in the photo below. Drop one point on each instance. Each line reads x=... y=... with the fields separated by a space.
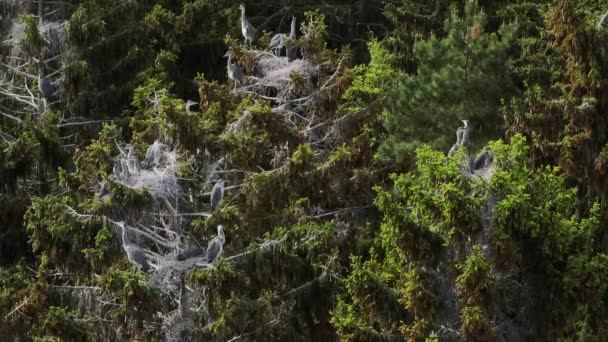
x=247 y=29
x=215 y=248
x=217 y=194
x=153 y=155
x=134 y=253
x=234 y=71
x=132 y=162
x=276 y=43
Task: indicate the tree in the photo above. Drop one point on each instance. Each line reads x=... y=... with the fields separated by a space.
x=463 y=75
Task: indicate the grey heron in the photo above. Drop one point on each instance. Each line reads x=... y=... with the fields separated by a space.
x=292 y=50
x=483 y=160
x=45 y=86
x=462 y=138
x=132 y=161
x=190 y=252
x=249 y=32
x=189 y=105
x=134 y=253
x=234 y=71
x=276 y=43
x=153 y=155
x=217 y=194
x=603 y=22
x=216 y=246
x=464 y=133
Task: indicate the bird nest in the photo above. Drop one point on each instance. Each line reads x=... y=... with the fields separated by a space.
x=160 y=180
x=277 y=79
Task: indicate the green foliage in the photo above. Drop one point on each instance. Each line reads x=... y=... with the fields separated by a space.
x=426 y=107
x=370 y=234
x=474 y=284
x=137 y=300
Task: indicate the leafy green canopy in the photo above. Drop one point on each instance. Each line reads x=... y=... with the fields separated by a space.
x=443 y=230
x=463 y=75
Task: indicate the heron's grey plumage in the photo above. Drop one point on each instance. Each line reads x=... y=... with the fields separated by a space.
x=462 y=138
x=249 y=32
x=134 y=253
x=217 y=194
x=603 y=22
x=234 y=71
x=215 y=248
x=190 y=252
x=292 y=50
x=483 y=160
x=276 y=43
x=153 y=155
x=132 y=162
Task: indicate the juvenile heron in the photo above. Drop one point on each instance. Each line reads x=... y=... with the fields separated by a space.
x=132 y=161
x=276 y=43
x=483 y=160
x=217 y=194
x=153 y=155
x=234 y=71
x=292 y=50
x=216 y=246
x=249 y=32
x=190 y=252
x=134 y=253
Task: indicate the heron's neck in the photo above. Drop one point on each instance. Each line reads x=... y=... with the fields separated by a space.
x=124 y=235
x=242 y=14
x=292 y=34
x=229 y=60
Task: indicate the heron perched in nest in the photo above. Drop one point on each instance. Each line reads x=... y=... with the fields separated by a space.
x=234 y=71
x=215 y=248
x=134 y=253
x=280 y=40
x=132 y=161
x=153 y=155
